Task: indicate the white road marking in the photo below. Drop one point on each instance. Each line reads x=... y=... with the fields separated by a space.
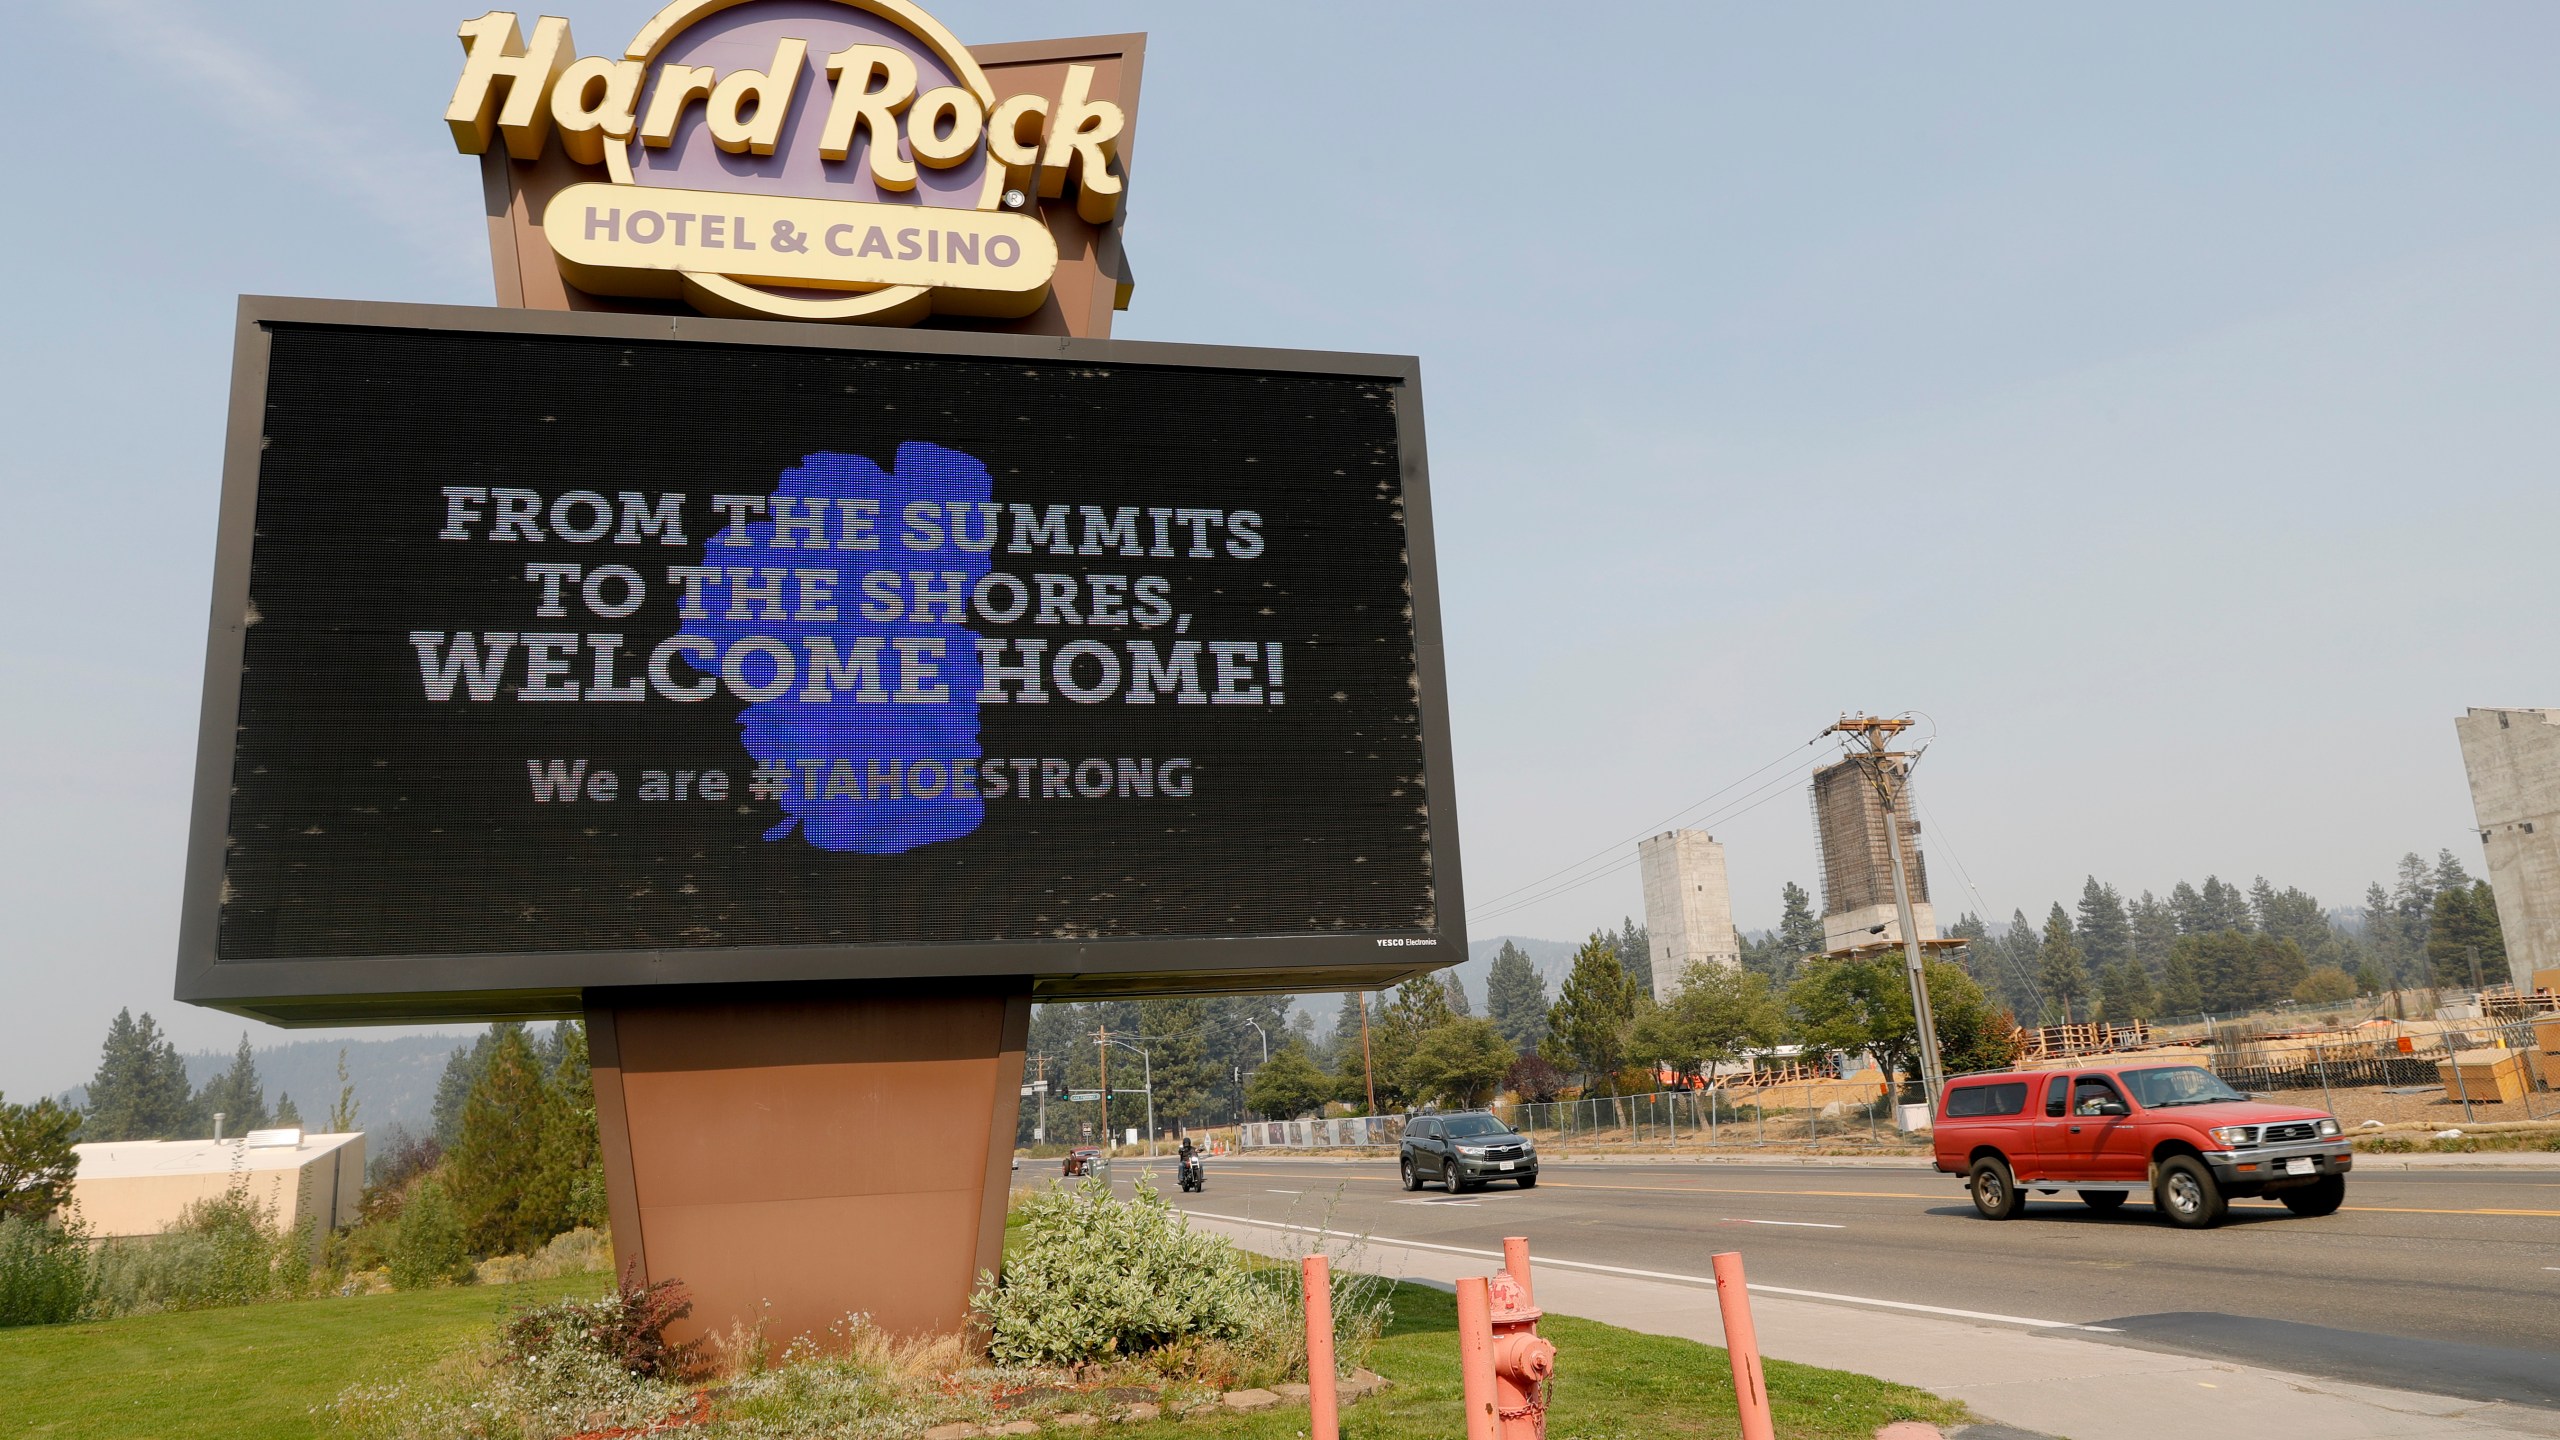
x=1803 y=1224
x=1284 y=1192
x=1705 y=1280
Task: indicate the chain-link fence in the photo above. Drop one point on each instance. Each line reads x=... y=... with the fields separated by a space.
x=1812 y=1111
x=2446 y=1075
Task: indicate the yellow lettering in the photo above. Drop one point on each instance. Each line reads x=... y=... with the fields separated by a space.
x=929 y=142
x=857 y=104
x=1084 y=138
x=770 y=91
x=595 y=99
x=494 y=53
x=1013 y=136
x=677 y=87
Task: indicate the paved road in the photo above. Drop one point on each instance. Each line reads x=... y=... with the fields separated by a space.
x=2447 y=1281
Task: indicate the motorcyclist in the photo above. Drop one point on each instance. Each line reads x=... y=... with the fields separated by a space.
x=1190 y=1157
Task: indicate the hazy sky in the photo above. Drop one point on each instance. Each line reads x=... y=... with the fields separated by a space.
x=2161 y=399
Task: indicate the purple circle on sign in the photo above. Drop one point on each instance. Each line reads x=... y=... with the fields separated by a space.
x=743 y=38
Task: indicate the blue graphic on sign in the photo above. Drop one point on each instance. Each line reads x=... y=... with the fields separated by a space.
x=840 y=616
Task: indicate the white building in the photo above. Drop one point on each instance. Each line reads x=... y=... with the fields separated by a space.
x=2513 y=759
x=1688 y=908
x=128 y=1188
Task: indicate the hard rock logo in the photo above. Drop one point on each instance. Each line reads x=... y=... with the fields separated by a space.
x=807 y=159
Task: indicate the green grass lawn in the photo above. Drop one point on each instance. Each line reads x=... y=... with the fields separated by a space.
x=260 y=1371
x=250 y=1373
x=1611 y=1384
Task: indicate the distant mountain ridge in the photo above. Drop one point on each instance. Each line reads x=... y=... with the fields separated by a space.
x=395 y=1078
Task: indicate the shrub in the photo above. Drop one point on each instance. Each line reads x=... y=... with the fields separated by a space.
x=576 y=1252
x=627 y=1328
x=1097 y=1277
x=575 y=1367
x=44 y=1272
x=224 y=1250
x=426 y=1245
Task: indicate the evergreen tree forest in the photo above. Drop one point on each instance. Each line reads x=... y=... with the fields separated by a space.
x=2216 y=947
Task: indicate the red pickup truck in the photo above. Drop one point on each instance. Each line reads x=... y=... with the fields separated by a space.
x=2108 y=1131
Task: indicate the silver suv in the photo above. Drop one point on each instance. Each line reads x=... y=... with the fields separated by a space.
x=1464 y=1150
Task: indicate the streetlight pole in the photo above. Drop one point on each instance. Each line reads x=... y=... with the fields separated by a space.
x=1147 y=1078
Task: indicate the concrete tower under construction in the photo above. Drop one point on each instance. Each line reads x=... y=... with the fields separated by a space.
x=2513 y=759
x=1688 y=908
x=1857 y=858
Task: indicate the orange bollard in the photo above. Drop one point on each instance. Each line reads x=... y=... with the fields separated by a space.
x=1475 y=1357
x=1324 y=1411
x=1515 y=1263
x=1742 y=1345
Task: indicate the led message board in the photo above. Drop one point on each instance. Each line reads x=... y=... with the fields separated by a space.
x=563 y=651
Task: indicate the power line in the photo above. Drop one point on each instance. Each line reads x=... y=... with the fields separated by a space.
x=1766 y=791
x=1616 y=847
x=2025 y=976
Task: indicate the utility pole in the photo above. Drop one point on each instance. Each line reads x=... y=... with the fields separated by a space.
x=1040 y=1126
x=1102 y=1047
x=1882 y=771
x=1367 y=1072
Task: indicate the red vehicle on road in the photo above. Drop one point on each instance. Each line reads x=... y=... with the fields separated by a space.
x=2108 y=1131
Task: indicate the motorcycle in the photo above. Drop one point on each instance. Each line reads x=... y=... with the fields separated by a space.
x=1194 y=1176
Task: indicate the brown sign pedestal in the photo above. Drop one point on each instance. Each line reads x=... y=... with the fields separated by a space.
x=795 y=1157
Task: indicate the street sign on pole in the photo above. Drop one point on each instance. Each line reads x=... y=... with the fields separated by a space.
x=1085 y=1096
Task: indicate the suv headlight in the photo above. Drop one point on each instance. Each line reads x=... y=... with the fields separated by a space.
x=2234 y=1134
x=1470 y=1149
x=1528 y=1146
x=2328 y=1128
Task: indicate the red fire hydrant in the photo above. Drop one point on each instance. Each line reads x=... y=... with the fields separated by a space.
x=1503 y=1360
x=1523 y=1361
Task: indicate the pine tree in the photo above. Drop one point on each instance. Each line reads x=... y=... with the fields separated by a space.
x=1457 y=995
x=236 y=1094
x=342 y=1116
x=2194 y=916
x=1515 y=998
x=510 y=1168
x=2181 y=987
x=288 y=1115
x=1635 y=952
x=2225 y=906
x=1587 y=1027
x=2462 y=928
x=2125 y=989
x=2022 y=969
x=2449 y=873
x=2105 y=935
x=1345 y=1040
x=2290 y=914
x=1799 y=929
x=1175 y=1033
x=2062 y=969
x=453 y=1088
x=2155 y=929
x=140 y=1091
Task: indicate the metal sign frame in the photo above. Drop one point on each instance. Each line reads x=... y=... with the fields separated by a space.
x=523 y=985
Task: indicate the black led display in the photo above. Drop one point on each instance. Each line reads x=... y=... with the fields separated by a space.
x=563 y=644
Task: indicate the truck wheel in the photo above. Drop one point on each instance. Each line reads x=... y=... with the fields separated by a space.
x=2102 y=1201
x=2321 y=1198
x=1995 y=1190
x=2186 y=1194
x=1411 y=1182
